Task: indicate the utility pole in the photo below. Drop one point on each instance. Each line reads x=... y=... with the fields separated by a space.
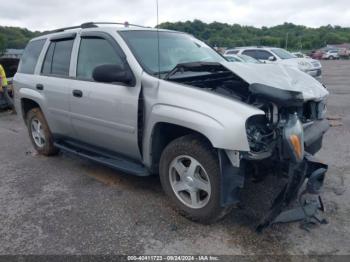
x=287 y=40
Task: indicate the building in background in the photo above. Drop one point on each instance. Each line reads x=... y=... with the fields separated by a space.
x=341 y=46
x=10 y=60
x=12 y=53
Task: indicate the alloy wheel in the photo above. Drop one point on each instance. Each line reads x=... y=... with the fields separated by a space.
x=190 y=181
x=38 y=133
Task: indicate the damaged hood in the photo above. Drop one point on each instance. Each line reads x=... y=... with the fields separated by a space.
x=280 y=77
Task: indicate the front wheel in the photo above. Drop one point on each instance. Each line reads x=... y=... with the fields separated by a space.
x=190 y=176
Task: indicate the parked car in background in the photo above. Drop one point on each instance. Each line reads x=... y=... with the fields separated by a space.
x=241 y=58
x=331 y=55
x=344 y=53
x=300 y=55
x=316 y=54
x=231 y=52
x=233 y=58
x=281 y=56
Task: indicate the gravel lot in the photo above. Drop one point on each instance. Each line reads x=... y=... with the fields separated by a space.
x=66 y=205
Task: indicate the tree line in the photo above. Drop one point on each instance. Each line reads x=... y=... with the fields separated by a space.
x=295 y=37
x=15 y=37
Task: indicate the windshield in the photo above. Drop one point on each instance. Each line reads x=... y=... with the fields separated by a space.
x=174 y=48
x=283 y=54
x=249 y=59
x=233 y=58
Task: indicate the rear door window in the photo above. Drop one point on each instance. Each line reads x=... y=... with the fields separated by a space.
x=57 y=59
x=30 y=56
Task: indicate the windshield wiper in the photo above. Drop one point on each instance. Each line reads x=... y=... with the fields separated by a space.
x=196 y=67
x=160 y=73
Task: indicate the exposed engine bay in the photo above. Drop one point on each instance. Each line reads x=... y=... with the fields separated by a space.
x=278 y=104
x=286 y=137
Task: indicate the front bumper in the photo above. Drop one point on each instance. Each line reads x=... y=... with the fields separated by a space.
x=299 y=167
x=309 y=169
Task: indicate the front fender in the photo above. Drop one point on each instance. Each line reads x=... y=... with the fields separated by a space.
x=188 y=118
x=221 y=119
x=229 y=134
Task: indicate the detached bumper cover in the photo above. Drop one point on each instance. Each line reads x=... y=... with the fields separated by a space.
x=313 y=135
x=309 y=169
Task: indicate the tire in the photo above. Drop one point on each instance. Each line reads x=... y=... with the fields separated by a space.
x=331 y=58
x=192 y=148
x=42 y=143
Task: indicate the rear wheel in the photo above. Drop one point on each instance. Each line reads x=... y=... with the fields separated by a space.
x=190 y=176
x=40 y=133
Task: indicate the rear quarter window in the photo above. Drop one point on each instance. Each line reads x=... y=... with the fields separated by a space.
x=30 y=56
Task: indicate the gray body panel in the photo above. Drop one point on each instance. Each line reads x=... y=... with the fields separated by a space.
x=106 y=115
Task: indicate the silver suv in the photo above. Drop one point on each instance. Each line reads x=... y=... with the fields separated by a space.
x=162 y=102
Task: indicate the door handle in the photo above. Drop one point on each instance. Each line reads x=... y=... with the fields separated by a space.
x=40 y=87
x=77 y=93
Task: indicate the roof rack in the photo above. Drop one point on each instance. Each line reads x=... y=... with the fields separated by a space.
x=94 y=24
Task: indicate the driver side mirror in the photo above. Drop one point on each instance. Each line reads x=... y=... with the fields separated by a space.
x=272 y=58
x=112 y=74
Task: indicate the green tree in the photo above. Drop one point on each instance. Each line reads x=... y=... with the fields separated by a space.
x=2 y=44
x=223 y=34
x=299 y=37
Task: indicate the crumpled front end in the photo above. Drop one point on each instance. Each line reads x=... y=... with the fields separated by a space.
x=301 y=166
x=285 y=139
x=284 y=135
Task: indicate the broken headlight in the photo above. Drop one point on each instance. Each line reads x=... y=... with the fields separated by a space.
x=260 y=137
x=321 y=110
x=271 y=111
x=293 y=136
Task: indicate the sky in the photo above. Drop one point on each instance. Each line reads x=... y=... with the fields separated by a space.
x=50 y=14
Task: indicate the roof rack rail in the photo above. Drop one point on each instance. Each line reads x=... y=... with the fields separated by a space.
x=94 y=24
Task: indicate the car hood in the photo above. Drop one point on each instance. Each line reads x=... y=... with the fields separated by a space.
x=279 y=77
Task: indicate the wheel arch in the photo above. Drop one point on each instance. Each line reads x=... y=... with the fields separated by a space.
x=164 y=133
x=28 y=104
x=29 y=99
